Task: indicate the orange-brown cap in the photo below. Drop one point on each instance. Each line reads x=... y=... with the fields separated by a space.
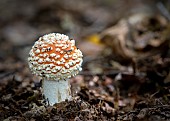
x=55 y=57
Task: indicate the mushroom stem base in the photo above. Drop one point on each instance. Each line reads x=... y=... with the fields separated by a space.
x=56 y=91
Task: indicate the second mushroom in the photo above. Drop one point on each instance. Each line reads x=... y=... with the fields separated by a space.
x=55 y=58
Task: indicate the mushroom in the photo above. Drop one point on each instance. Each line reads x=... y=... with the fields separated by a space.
x=55 y=58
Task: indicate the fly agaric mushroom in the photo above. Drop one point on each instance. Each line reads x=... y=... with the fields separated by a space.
x=55 y=58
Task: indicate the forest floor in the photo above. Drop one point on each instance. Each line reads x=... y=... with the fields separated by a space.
x=126 y=67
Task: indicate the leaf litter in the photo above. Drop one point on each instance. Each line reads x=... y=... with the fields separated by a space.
x=125 y=72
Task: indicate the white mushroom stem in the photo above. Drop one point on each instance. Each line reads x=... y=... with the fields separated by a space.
x=56 y=91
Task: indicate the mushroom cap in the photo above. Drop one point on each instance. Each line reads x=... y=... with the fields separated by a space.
x=55 y=57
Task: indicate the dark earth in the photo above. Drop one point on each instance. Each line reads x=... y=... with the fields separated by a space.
x=126 y=67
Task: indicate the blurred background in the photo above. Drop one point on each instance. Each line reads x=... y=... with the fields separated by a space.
x=23 y=22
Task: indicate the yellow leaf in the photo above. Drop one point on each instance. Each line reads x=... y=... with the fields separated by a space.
x=94 y=38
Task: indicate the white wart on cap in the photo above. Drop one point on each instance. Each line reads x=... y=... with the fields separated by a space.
x=55 y=57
